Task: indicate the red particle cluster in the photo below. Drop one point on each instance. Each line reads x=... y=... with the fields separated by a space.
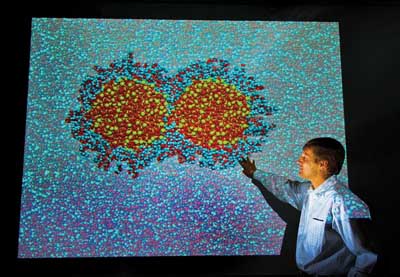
x=211 y=114
x=128 y=113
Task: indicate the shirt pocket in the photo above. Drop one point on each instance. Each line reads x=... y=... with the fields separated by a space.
x=315 y=236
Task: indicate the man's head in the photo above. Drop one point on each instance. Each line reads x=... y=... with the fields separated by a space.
x=328 y=154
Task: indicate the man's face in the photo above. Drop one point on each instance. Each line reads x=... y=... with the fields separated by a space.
x=309 y=167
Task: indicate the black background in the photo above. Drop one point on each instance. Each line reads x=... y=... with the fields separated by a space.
x=370 y=45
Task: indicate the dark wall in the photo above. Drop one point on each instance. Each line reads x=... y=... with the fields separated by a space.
x=370 y=45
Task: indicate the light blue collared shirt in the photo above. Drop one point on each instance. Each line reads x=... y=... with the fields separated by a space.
x=327 y=244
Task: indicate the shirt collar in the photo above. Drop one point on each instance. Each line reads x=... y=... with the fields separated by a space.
x=326 y=185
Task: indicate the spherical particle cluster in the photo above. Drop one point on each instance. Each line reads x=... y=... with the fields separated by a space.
x=128 y=114
x=219 y=112
x=211 y=114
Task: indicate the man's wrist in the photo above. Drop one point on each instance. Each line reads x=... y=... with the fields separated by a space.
x=252 y=174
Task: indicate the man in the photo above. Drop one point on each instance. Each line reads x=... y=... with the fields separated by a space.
x=329 y=241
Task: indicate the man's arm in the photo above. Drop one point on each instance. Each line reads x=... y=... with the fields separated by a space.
x=357 y=239
x=286 y=190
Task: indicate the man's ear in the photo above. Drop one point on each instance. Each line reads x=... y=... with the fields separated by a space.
x=324 y=164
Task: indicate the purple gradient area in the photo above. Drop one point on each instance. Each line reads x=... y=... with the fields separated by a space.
x=175 y=213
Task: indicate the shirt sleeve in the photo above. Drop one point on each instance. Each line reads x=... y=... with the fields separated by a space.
x=286 y=190
x=355 y=241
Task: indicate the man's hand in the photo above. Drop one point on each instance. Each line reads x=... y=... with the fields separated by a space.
x=248 y=167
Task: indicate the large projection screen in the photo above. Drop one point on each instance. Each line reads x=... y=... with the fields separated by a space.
x=134 y=129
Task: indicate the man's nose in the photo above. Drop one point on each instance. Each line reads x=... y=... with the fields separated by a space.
x=298 y=161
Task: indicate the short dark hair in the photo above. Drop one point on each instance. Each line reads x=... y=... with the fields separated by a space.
x=328 y=149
